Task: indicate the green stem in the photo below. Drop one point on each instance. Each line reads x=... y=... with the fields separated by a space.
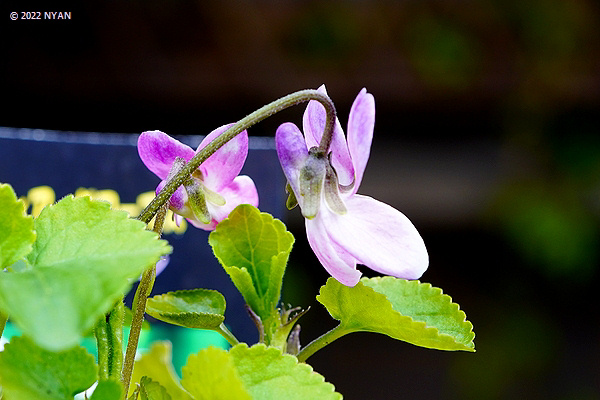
x=3 y=319
x=222 y=329
x=321 y=342
x=257 y=116
x=139 y=308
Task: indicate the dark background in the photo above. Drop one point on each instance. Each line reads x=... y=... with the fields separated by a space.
x=486 y=137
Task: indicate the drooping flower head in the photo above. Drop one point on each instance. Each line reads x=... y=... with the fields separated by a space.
x=344 y=228
x=214 y=189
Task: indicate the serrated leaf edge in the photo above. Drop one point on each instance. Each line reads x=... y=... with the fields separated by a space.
x=290 y=359
x=430 y=329
x=466 y=324
x=23 y=212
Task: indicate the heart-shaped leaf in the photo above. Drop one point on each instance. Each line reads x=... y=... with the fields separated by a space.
x=411 y=311
x=84 y=259
x=254 y=247
x=196 y=308
x=16 y=228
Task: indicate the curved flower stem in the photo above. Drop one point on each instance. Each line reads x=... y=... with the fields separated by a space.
x=139 y=307
x=257 y=116
x=321 y=342
x=222 y=329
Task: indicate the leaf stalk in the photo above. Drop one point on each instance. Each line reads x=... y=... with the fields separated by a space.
x=322 y=341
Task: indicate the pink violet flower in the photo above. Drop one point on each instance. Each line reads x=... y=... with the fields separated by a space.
x=215 y=183
x=345 y=228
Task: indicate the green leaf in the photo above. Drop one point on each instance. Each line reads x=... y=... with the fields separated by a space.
x=197 y=308
x=85 y=258
x=269 y=374
x=258 y=372
x=16 y=228
x=30 y=372
x=150 y=390
x=253 y=247
x=411 y=311
x=108 y=390
x=156 y=364
x=212 y=375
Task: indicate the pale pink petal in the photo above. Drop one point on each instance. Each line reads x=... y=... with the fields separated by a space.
x=378 y=236
x=207 y=227
x=360 y=133
x=292 y=154
x=159 y=150
x=178 y=218
x=339 y=263
x=241 y=191
x=314 y=124
x=227 y=162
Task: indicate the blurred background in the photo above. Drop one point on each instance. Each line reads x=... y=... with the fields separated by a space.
x=487 y=138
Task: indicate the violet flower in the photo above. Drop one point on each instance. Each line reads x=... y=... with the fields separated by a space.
x=345 y=228
x=214 y=189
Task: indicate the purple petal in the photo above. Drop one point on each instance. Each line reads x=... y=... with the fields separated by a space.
x=360 y=133
x=159 y=150
x=314 y=124
x=292 y=153
x=225 y=164
x=378 y=236
x=241 y=191
x=339 y=263
x=178 y=199
x=162 y=264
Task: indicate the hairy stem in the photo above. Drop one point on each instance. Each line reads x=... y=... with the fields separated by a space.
x=139 y=307
x=322 y=341
x=257 y=116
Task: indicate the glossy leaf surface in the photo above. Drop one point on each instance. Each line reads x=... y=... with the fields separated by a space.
x=197 y=308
